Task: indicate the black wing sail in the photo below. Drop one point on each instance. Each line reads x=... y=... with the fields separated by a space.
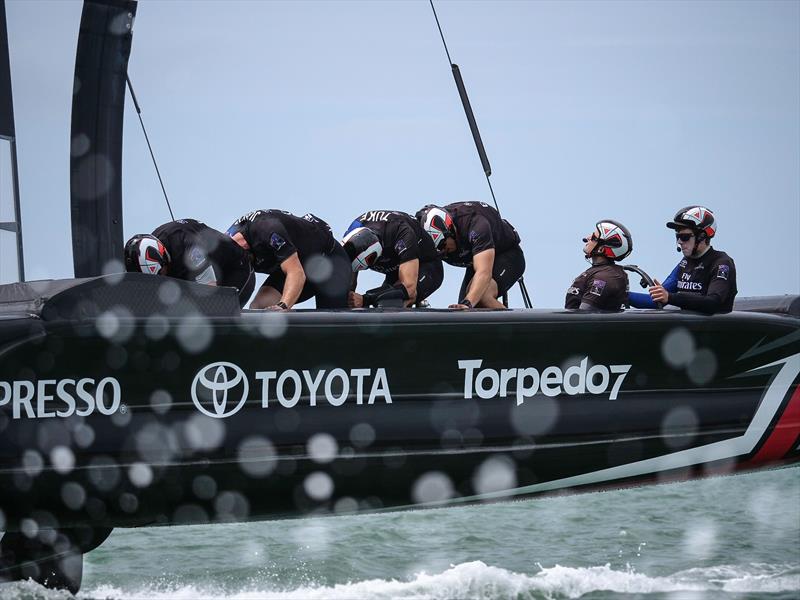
x=98 y=106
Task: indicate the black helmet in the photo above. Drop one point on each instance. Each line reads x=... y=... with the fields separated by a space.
x=363 y=247
x=613 y=239
x=437 y=223
x=698 y=218
x=146 y=254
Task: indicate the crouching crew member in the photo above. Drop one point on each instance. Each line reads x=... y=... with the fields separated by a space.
x=300 y=255
x=193 y=251
x=604 y=285
x=393 y=243
x=474 y=236
x=705 y=279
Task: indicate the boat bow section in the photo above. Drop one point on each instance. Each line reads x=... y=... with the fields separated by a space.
x=175 y=412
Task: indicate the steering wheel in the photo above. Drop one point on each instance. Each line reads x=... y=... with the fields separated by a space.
x=645 y=281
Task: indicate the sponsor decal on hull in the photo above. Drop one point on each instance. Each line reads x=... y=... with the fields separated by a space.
x=526 y=382
x=221 y=389
x=48 y=398
x=786 y=372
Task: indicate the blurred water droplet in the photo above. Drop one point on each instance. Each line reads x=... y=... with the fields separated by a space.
x=433 y=486
x=156 y=327
x=318 y=486
x=29 y=528
x=155 y=443
x=122 y=417
x=231 y=506
x=204 y=487
x=128 y=503
x=322 y=448
x=104 y=473
x=204 y=433
x=80 y=145
x=107 y=324
x=169 y=292
x=73 y=495
x=116 y=357
x=345 y=505
x=362 y=435
x=680 y=427
x=700 y=540
x=62 y=459
x=114 y=270
x=703 y=366
x=495 y=474
x=535 y=416
x=32 y=463
x=195 y=333
x=678 y=347
x=161 y=401
x=256 y=456
x=140 y=474
x=83 y=435
x=190 y=513
x=273 y=325
x=318 y=268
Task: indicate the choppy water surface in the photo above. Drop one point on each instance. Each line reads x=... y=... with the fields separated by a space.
x=731 y=537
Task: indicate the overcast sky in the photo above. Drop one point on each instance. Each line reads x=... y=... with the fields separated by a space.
x=588 y=110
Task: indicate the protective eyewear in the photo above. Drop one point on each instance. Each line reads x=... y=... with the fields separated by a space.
x=684 y=237
x=594 y=238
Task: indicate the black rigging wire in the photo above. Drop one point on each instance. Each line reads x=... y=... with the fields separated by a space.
x=149 y=147
x=476 y=136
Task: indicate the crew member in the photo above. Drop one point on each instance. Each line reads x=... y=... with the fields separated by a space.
x=300 y=255
x=393 y=243
x=474 y=236
x=193 y=251
x=604 y=285
x=705 y=280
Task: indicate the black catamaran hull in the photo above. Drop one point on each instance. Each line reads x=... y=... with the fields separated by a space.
x=115 y=420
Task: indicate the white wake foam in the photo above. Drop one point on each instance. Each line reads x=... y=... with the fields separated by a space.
x=472 y=580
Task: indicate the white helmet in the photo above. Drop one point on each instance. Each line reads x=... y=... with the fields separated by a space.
x=438 y=224
x=363 y=247
x=145 y=253
x=613 y=239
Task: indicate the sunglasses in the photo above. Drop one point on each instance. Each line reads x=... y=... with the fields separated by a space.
x=591 y=239
x=684 y=237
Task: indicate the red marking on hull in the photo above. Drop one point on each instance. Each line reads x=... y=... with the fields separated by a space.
x=785 y=433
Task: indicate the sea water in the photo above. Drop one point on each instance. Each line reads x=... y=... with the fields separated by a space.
x=728 y=537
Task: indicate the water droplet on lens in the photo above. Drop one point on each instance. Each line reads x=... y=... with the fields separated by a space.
x=73 y=495
x=703 y=367
x=322 y=448
x=32 y=463
x=678 y=347
x=140 y=474
x=318 y=268
x=62 y=459
x=204 y=487
x=169 y=292
x=362 y=435
x=318 y=486
x=495 y=474
x=256 y=456
x=433 y=486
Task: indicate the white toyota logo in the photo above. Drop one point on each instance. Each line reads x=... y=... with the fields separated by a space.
x=211 y=386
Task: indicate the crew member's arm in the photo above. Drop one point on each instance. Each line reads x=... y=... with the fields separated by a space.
x=719 y=290
x=295 y=280
x=642 y=300
x=408 y=273
x=482 y=264
x=354 y=300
